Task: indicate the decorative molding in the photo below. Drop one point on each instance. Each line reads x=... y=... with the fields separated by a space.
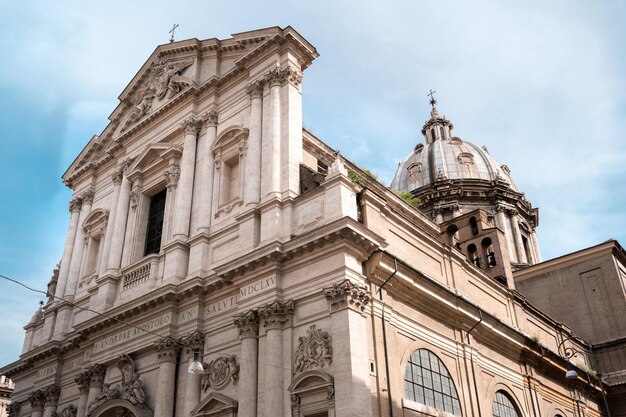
x=220 y=372
x=135 y=196
x=191 y=125
x=37 y=399
x=167 y=349
x=171 y=176
x=314 y=350
x=277 y=314
x=210 y=118
x=52 y=393
x=248 y=324
x=228 y=207
x=347 y=294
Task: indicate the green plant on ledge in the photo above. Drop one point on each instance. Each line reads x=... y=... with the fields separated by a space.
x=409 y=198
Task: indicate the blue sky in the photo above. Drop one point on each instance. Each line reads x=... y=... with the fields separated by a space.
x=541 y=84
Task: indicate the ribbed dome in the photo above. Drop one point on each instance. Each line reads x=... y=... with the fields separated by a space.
x=446 y=156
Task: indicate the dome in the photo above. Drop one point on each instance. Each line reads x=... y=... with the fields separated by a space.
x=444 y=156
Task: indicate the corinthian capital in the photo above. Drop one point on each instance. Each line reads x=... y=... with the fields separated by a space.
x=195 y=340
x=96 y=375
x=87 y=196
x=167 y=349
x=37 y=399
x=75 y=204
x=280 y=76
x=82 y=380
x=210 y=118
x=248 y=324
x=277 y=314
x=117 y=175
x=52 y=393
x=255 y=89
x=191 y=126
x=347 y=294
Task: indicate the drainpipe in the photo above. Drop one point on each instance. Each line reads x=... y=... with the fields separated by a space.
x=480 y=313
x=380 y=297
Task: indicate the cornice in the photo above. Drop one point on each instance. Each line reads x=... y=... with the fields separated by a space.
x=344 y=229
x=565 y=260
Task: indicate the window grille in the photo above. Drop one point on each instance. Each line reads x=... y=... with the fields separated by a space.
x=427 y=381
x=154 y=231
x=502 y=406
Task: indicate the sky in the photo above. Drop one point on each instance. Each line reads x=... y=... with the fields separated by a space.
x=541 y=84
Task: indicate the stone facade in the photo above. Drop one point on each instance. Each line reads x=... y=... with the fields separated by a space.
x=206 y=220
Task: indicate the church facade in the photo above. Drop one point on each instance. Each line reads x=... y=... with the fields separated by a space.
x=223 y=261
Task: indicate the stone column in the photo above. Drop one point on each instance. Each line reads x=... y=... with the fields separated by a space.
x=75 y=206
x=206 y=170
x=96 y=380
x=108 y=235
x=82 y=380
x=167 y=351
x=505 y=226
x=517 y=238
x=535 y=244
x=119 y=228
x=37 y=400
x=184 y=191
x=52 y=393
x=192 y=391
x=271 y=164
x=347 y=302
x=252 y=192
x=275 y=317
x=77 y=252
x=248 y=325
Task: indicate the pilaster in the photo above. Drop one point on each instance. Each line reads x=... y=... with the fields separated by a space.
x=52 y=393
x=347 y=302
x=275 y=316
x=248 y=325
x=82 y=380
x=192 y=342
x=167 y=351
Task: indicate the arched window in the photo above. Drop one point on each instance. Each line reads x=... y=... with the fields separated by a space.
x=428 y=382
x=474 y=225
x=503 y=406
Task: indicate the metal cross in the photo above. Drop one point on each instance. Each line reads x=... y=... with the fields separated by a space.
x=172 y=32
x=433 y=101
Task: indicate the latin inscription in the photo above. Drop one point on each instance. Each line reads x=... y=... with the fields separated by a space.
x=257 y=287
x=245 y=292
x=47 y=371
x=132 y=333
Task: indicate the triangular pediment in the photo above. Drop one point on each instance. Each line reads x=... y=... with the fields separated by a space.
x=215 y=404
x=172 y=74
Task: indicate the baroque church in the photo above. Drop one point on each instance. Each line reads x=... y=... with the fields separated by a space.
x=221 y=260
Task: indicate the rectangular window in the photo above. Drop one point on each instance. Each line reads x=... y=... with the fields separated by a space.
x=154 y=230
